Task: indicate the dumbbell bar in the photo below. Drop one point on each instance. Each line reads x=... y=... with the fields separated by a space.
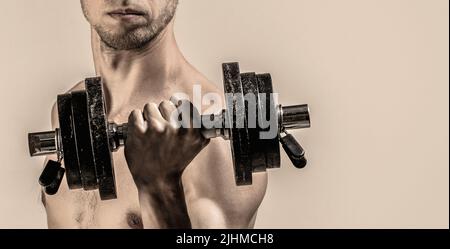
x=85 y=139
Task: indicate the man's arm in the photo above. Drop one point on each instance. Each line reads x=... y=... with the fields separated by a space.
x=157 y=153
x=163 y=202
x=214 y=200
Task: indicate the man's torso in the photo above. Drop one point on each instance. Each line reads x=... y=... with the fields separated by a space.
x=212 y=197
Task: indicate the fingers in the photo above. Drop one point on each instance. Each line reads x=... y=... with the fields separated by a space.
x=173 y=113
x=151 y=112
x=164 y=120
x=155 y=120
x=176 y=101
x=169 y=112
x=136 y=122
x=189 y=116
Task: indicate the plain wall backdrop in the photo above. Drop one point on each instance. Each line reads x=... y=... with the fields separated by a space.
x=375 y=73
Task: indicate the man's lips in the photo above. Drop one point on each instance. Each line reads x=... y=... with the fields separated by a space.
x=126 y=12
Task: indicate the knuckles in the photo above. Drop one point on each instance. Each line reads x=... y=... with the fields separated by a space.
x=150 y=108
x=149 y=125
x=155 y=126
x=134 y=116
x=166 y=106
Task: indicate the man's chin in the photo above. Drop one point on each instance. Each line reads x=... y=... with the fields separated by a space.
x=126 y=41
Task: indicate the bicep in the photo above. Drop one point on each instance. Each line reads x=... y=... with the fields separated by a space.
x=214 y=199
x=207 y=214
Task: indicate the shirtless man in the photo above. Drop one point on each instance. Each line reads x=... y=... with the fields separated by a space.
x=166 y=177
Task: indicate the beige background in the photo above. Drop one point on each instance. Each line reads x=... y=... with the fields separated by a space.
x=375 y=73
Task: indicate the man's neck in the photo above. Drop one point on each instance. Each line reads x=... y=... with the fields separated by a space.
x=129 y=75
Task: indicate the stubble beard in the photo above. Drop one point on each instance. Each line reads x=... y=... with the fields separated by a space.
x=138 y=37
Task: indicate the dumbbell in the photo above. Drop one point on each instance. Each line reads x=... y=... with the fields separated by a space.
x=85 y=139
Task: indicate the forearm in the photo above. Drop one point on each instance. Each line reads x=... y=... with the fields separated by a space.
x=163 y=202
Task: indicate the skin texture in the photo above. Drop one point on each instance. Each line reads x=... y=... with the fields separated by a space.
x=167 y=177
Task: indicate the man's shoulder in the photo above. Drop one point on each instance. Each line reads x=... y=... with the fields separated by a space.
x=211 y=87
x=77 y=87
x=195 y=77
x=207 y=85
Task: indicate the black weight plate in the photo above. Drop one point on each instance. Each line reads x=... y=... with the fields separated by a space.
x=100 y=139
x=83 y=138
x=252 y=107
x=238 y=131
x=70 y=153
x=272 y=146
